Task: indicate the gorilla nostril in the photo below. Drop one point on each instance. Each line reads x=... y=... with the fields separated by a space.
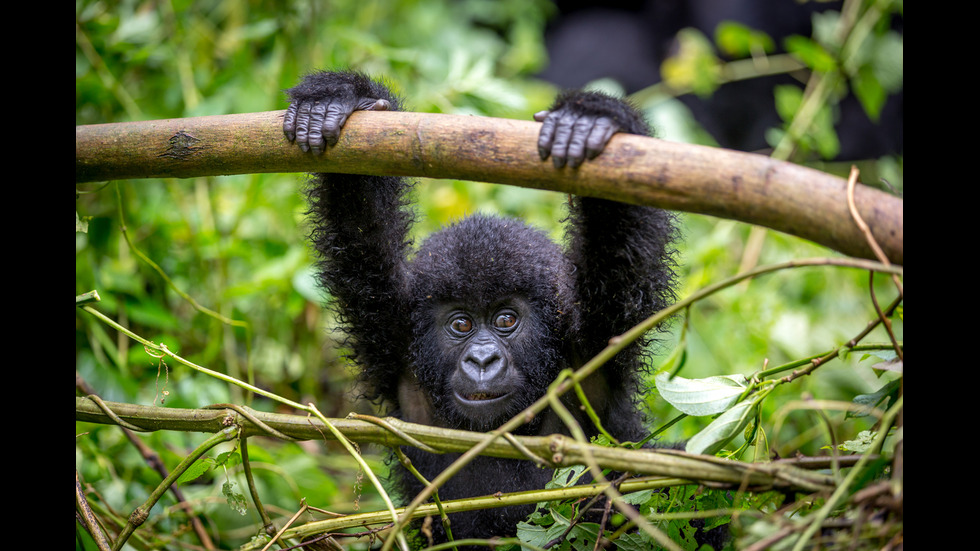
x=483 y=362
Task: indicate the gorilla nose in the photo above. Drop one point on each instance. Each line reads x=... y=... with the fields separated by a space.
x=483 y=363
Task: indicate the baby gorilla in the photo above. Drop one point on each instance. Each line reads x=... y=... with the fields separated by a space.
x=470 y=328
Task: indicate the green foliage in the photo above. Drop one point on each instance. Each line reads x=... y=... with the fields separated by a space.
x=236 y=245
x=695 y=66
x=671 y=511
x=821 y=136
x=859 y=55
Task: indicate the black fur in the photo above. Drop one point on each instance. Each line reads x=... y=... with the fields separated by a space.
x=471 y=328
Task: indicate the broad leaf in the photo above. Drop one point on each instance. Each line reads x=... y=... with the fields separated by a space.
x=728 y=425
x=699 y=397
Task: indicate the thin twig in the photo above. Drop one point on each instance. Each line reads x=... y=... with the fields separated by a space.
x=88 y=518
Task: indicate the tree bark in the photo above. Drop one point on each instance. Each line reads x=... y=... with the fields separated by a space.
x=633 y=169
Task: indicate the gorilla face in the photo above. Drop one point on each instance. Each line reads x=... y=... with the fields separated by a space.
x=489 y=295
x=483 y=364
x=484 y=380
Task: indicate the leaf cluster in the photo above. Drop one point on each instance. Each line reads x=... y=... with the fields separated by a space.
x=856 y=50
x=576 y=525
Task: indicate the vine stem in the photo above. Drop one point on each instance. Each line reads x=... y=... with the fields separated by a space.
x=140 y=514
x=845 y=485
x=609 y=489
x=163 y=349
x=309 y=408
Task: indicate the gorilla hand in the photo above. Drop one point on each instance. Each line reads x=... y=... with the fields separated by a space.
x=321 y=105
x=568 y=138
x=580 y=124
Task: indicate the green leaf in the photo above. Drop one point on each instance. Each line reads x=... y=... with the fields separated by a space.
x=886 y=355
x=193 y=472
x=532 y=534
x=713 y=438
x=633 y=541
x=820 y=135
x=880 y=398
x=862 y=444
x=694 y=66
x=81 y=224
x=701 y=396
x=788 y=100
x=566 y=476
x=583 y=536
x=235 y=499
x=810 y=53
x=737 y=40
x=229 y=459
x=541 y=535
x=638 y=498
x=869 y=92
x=888 y=61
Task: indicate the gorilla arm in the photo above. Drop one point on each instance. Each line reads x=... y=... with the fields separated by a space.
x=359 y=227
x=621 y=253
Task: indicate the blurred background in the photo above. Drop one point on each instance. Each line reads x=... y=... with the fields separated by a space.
x=237 y=244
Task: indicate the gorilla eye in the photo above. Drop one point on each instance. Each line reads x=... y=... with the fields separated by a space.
x=461 y=325
x=506 y=320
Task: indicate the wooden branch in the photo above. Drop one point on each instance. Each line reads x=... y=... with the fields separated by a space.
x=633 y=169
x=557 y=450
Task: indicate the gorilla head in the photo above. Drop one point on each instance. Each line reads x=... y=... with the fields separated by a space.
x=488 y=325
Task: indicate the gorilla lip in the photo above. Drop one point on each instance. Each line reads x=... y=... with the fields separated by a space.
x=481 y=396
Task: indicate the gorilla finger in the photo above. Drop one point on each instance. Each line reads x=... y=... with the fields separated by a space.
x=289 y=122
x=315 y=137
x=334 y=119
x=599 y=137
x=370 y=104
x=577 y=141
x=546 y=136
x=540 y=115
x=302 y=126
x=563 y=137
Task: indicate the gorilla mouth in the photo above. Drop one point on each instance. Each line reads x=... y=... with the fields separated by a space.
x=482 y=409
x=481 y=396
